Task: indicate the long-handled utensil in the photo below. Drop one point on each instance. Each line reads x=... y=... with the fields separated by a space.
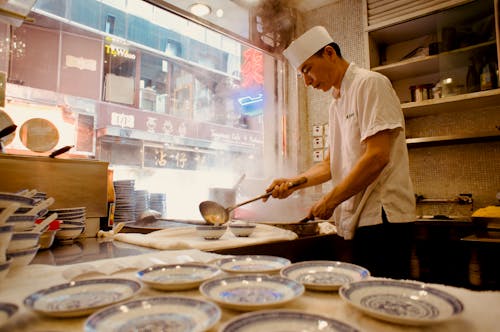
x=215 y=213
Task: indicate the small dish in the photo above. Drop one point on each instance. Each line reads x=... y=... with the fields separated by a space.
x=47 y=239
x=285 y=320
x=22 y=257
x=400 y=301
x=177 y=276
x=69 y=233
x=324 y=275
x=211 y=232
x=167 y=313
x=242 y=229
x=252 y=264
x=80 y=298
x=7 y=310
x=251 y=292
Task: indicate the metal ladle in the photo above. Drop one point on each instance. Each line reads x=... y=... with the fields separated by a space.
x=214 y=213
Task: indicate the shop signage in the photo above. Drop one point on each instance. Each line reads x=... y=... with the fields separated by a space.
x=252 y=69
x=118 y=51
x=122 y=120
x=81 y=63
x=164 y=124
x=175 y=159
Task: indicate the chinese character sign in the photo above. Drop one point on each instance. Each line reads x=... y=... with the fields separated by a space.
x=252 y=69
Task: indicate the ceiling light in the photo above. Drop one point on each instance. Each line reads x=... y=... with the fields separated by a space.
x=219 y=12
x=200 y=9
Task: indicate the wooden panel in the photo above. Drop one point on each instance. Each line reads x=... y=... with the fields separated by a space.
x=71 y=182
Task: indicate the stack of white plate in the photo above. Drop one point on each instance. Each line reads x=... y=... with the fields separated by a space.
x=72 y=223
x=141 y=202
x=158 y=202
x=125 y=201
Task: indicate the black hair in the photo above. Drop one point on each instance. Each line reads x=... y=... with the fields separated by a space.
x=334 y=45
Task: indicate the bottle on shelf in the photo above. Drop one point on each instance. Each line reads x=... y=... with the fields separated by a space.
x=106 y=222
x=489 y=75
x=472 y=81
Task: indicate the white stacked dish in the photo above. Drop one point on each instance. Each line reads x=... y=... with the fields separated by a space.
x=4 y=268
x=22 y=257
x=72 y=223
x=23 y=240
x=22 y=222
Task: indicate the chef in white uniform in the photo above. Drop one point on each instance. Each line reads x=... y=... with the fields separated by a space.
x=372 y=201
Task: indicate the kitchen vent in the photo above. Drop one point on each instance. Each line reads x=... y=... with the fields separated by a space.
x=15 y=12
x=382 y=13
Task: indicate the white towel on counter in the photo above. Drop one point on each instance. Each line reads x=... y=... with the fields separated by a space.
x=187 y=238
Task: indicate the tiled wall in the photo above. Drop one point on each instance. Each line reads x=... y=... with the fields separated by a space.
x=440 y=172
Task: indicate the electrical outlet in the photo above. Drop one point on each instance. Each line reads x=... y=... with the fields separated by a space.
x=317 y=130
x=317 y=142
x=317 y=155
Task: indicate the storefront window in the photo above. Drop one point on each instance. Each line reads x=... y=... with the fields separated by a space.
x=173 y=105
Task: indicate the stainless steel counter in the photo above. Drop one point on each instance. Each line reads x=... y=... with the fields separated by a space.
x=86 y=250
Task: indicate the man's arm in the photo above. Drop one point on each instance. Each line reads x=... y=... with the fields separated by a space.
x=366 y=170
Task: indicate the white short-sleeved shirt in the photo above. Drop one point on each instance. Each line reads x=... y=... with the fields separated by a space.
x=368 y=104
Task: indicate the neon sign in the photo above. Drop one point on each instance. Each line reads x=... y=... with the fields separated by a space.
x=118 y=51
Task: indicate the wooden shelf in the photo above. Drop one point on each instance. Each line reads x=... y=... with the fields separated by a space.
x=423 y=65
x=473 y=101
x=453 y=139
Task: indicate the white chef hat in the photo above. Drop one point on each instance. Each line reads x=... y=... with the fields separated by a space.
x=306 y=45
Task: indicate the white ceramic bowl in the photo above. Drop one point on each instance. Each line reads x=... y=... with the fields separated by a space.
x=22 y=222
x=22 y=257
x=211 y=232
x=4 y=268
x=23 y=240
x=242 y=229
x=47 y=239
x=69 y=233
x=5 y=237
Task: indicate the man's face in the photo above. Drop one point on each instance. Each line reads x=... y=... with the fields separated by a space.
x=320 y=71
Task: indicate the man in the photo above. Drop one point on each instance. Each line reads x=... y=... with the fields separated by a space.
x=372 y=200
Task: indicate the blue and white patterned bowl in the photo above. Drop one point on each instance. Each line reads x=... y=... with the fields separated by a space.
x=23 y=240
x=80 y=298
x=166 y=313
x=285 y=320
x=7 y=310
x=324 y=275
x=251 y=292
x=211 y=232
x=402 y=302
x=242 y=229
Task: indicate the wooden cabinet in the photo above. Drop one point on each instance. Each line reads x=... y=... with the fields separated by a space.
x=428 y=49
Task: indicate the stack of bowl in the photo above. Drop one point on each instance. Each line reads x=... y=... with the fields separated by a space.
x=24 y=238
x=72 y=223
